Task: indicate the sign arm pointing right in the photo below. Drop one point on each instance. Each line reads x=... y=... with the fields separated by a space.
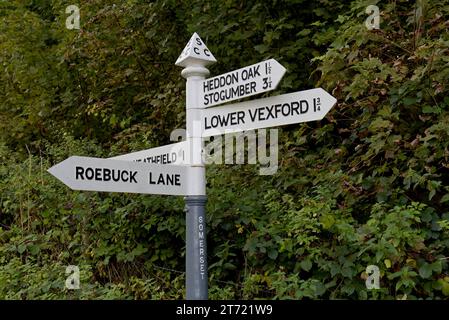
x=296 y=107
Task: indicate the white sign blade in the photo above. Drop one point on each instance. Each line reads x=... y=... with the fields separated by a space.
x=174 y=154
x=195 y=51
x=297 y=107
x=95 y=174
x=245 y=82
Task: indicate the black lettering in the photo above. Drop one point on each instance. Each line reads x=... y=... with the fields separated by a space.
x=89 y=173
x=177 y=180
x=170 y=179
x=216 y=122
x=115 y=178
x=295 y=106
x=316 y=104
x=233 y=118
x=106 y=174
x=132 y=177
x=222 y=120
x=270 y=112
x=241 y=116
x=205 y=123
x=253 y=116
x=235 y=77
x=261 y=114
x=235 y=91
x=253 y=87
x=151 y=181
x=247 y=88
x=277 y=108
x=216 y=83
x=207 y=85
x=285 y=109
x=229 y=79
x=250 y=75
x=98 y=174
x=301 y=104
x=79 y=171
x=123 y=176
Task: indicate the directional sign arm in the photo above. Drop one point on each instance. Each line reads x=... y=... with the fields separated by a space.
x=245 y=82
x=95 y=174
x=297 y=107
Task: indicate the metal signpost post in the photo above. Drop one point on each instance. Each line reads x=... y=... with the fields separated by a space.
x=178 y=168
x=194 y=58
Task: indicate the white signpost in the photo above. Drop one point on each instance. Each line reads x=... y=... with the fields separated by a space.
x=297 y=107
x=257 y=78
x=95 y=174
x=161 y=171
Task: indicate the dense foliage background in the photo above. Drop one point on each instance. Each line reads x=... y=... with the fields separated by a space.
x=367 y=185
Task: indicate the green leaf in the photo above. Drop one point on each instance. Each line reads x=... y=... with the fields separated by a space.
x=379 y=124
x=229 y=266
x=346 y=272
x=34 y=249
x=430 y=109
x=444 y=287
x=273 y=254
x=261 y=48
x=437 y=267
x=304 y=32
x=425 y=271
x=410 y=101
x=445 y=198
x=21 y=248
x=306 y=265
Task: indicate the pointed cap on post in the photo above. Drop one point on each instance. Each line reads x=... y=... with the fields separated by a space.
x=195 y=52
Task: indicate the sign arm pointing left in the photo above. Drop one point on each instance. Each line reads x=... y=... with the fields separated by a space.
x=95 y=174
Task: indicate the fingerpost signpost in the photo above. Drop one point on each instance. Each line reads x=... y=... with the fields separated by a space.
x=179 y=168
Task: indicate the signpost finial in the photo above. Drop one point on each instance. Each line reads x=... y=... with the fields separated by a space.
x=195 y=52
